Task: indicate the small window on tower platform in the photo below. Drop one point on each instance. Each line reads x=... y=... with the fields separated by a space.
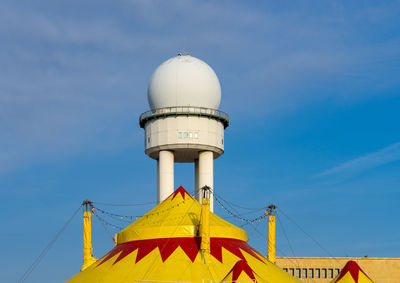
x=179 y=135
x=310 y=273
x=317 y=273
x=185 y=135
x=337 y=271
x=148 y=139
x=190 y=135
x=196 y=135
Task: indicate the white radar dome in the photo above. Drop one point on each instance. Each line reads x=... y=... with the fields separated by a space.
x=184 y=81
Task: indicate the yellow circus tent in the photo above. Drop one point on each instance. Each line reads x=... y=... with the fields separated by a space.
x=352 y=273
x=165 y=245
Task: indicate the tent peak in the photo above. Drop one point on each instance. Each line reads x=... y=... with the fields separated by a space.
x=181 y=191
x=354 y=269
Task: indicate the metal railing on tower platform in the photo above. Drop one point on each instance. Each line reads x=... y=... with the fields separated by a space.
x=184 y=110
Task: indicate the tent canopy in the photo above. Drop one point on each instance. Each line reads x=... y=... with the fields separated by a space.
x=164 y=245
x=352 y=273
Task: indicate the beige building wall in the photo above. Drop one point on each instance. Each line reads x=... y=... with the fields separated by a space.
x=380 y=270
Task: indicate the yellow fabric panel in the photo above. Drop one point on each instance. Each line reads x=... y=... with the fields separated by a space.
x=351 y=272
x=346 y=279
x=173 y=218
x=177 y=217
x=243 y=278
x=363 y=279
x=177 y=268
x=205 y=226
x=349 y=279
x=268 y=271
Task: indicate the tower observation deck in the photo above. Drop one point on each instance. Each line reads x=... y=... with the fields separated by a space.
x=184 y=124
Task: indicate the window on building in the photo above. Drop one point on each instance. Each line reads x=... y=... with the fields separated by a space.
x=185 y=135
x=222 y=141
x=196 y=135
x=310 y=273
x=285 y=269
x=190 y=135
x=317 y=273
x=148 y=139
x=291 y=271
x=323 y=273
x=337 y=271
x=304 y=273
x=330 y=273
x=298 y=273
x=179 y=135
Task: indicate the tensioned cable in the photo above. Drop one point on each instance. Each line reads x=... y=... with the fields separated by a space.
x=254 y=229
x=124 y=204
x=172 y=233
x=287 y=239
x=104 y=226
x=119 y=217
x=189 y=263
x=132 y=217
x=290 y=246
x=242 y=214
x=301 y=229
x=227 y=204
x=238 y=214
x=286 y=236
x=242 y=207
x=283 y=253
x=250 y=222
x=122 y=218
x=46 y=249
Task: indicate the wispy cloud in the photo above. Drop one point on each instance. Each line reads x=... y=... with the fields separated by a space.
x=68 y=76
x=371 y=160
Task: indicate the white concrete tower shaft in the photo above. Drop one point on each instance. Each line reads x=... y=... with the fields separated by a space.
x=206 y=174
x=196 y=179
x=165 y=175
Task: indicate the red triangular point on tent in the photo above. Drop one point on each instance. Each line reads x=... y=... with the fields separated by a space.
x=353 y=268
x=181 y=191
x=166 y=247
x=239 y=267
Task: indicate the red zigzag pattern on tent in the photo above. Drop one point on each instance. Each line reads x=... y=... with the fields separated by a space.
x=190 y=246
x=240 y=266
x=354 y=269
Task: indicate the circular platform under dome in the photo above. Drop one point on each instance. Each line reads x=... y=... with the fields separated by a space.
x=184 y=81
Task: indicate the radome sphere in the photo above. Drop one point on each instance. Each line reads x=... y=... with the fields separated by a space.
x=184 y=81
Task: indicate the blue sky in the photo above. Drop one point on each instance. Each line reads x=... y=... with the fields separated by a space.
x=312 y=88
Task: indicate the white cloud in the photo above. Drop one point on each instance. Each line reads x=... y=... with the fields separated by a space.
x=361 y=164
x=68 y=75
